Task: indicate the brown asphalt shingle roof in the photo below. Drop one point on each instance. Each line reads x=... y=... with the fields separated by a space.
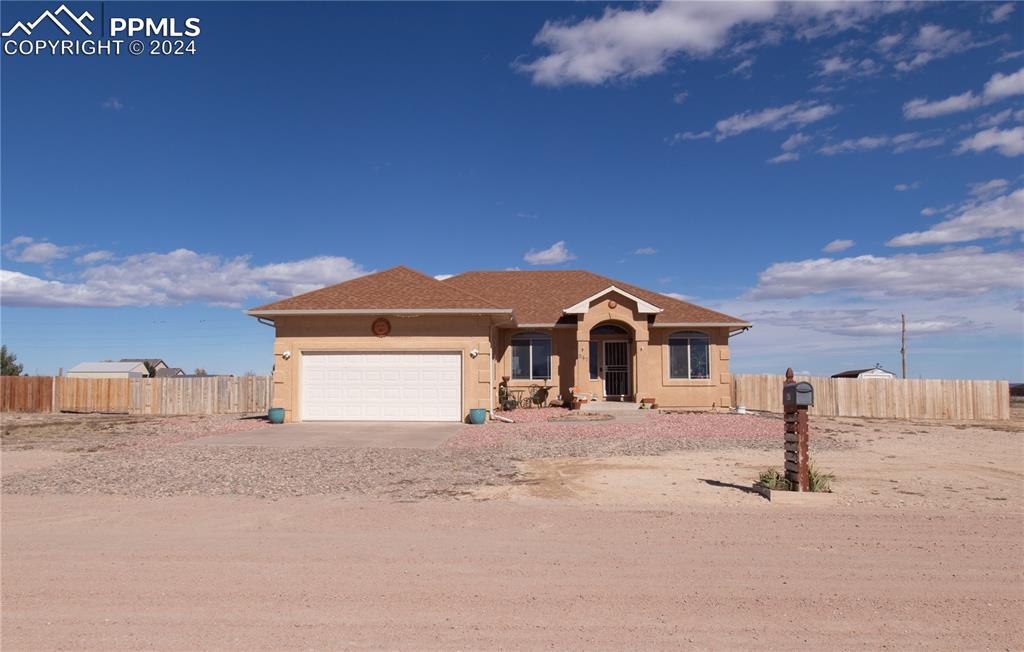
x=535 y=297
x=393 y=289
x=539 y=297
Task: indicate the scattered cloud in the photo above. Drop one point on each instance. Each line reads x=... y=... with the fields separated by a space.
x=645 y=251
x=678 y=297
x=1009 y=56
x=443 y=277
x=680 y=97
x=863 y=322
x=175 y=278
x=688 y=135
x=553 y=255
x=789 y=147
x=899 y=143
x=24 y=249
x=989 y=188
x=112 y=104
x=94 y=257
x=888 y=42
x=953 y=272
x=904 y=187
x=994 y=218
x=1008 y=142
x=785 y=157
x=1000 y=13
x=838 y=245
x=998 y=87
x=932 y=42
x=840 y=66
x=773 y=118
x=744 y=68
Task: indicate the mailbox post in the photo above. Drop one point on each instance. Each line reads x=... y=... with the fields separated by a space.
x=796 y=398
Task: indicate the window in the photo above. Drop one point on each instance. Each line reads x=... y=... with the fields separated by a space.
x=531 y=356
x=688 y=355
x=593 y=359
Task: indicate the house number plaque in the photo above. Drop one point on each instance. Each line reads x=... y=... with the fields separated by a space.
x=381 y=327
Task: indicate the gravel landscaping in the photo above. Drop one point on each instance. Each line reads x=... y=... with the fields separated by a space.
x=151 y=464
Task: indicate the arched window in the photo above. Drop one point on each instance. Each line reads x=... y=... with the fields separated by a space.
x=688 y=355
x=531 y=356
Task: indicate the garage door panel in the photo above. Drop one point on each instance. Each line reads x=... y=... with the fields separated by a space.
x=412 y=386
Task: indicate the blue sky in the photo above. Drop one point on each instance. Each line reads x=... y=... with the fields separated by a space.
x=816 y=169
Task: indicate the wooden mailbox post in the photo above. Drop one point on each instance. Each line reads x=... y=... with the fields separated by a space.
x=796 y=398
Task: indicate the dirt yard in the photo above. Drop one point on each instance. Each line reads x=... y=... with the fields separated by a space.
x=539 y=535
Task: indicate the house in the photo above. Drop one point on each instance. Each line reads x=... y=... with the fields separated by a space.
x=400 y=345
x=156 y=364
x=129 y=369
x=170 y=372
x=872 y=372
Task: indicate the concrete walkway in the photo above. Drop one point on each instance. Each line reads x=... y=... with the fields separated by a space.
x=349 y=434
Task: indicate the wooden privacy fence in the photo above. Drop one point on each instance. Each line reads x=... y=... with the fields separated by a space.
x=26 y=393
x=138 y=396
x=883 y=398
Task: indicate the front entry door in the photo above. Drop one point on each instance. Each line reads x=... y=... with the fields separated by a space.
x=616 y=369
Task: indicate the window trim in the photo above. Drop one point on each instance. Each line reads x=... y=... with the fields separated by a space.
x=529 y=337
x=688 y=337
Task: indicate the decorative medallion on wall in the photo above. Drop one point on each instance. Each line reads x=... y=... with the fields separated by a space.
x=612 y=304
x=381 y=327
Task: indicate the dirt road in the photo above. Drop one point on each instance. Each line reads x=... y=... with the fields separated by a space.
x=220 y=572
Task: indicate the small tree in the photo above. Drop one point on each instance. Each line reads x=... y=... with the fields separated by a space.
x=200 y=371
x=9 y=363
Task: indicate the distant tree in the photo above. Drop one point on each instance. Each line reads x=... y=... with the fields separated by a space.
x=249 y=373
x=200 y=371
x=150 y=371
x=9 y=363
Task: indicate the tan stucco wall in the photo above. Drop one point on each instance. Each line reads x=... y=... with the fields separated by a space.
x=456 y=333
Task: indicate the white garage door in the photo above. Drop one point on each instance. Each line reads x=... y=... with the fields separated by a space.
x=382 y=387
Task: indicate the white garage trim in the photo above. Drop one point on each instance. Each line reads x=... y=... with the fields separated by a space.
x=381 y=386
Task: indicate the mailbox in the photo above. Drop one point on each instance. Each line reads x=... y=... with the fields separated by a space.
x=798 y=395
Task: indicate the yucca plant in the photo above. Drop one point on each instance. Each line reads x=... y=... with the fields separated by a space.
x=773 y=479
x=819 y=481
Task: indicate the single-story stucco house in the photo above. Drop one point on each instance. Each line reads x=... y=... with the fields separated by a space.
x=401 y=345
x=108 y=370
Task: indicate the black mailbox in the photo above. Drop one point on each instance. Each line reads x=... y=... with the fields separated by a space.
x=798 y=395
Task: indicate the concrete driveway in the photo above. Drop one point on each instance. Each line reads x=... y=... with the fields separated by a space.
x=349 y=434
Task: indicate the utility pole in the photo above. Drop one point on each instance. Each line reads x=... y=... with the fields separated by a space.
x=903 y=343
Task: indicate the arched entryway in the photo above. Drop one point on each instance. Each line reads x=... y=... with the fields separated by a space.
x=611 y=359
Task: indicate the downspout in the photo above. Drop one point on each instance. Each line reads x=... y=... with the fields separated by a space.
x=490 y=369
x=739 y=332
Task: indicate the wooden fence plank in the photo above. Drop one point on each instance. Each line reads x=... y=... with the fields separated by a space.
x=883 y=398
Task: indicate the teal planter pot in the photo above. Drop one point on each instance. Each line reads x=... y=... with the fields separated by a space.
x=477 y=416
x=276 y=415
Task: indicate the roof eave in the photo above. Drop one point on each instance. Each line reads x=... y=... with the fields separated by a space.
x=312 y=312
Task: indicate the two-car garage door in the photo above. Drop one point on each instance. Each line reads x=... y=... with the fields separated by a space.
x=406 y=386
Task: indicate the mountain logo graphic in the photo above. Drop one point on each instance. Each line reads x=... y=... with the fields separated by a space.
x=26 y=28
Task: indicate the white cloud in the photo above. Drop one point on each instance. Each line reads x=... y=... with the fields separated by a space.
x=1009 y=56
x=795 y=141
x=112 y=104
x=1001 y=13
x=900 y=143
x=773 y=118
x=24 y=249
x=838 y=245
x=678 y=296
x=995 y=218
x=904 y=187
x=743 y=68
x=888 y=42
x=862 y=322
x=553 y=255
x=94 y=257
x=688 y=135
x=1008 y=142
x=631 y=43
x=645 y=251
x=989 y=188
x=998 y=87
x=785 y=157
x=680 y=97
x=954 y=272
x=443 y=277
x=175 y=278
x=993 y=119
x=838 y=65
x=933 y=42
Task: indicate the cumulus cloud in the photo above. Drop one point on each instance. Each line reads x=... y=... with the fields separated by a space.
x=995 y=218
x=954 y=272
x=838 y=245
x=988 y=188
x=94 y=257
x=175 y=278
x=773 y=118
x=998 y=87
x=1000 y=13
x=553 y=255
x=932 y=42
x=24 y=249
x=1008 y=142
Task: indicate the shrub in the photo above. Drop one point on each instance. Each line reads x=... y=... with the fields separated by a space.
x=772 y=479
x=818 y=481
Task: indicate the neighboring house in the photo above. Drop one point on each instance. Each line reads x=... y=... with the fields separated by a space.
x=170 y=372
x=156 y=364
x=129 y=369
x=873 y=372
x=400 y=345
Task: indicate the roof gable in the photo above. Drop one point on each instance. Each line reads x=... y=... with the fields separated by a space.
x=395 y=289
x=642 y=307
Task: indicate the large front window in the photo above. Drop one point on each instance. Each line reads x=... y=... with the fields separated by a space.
x=531 y=356
x=688 y=355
